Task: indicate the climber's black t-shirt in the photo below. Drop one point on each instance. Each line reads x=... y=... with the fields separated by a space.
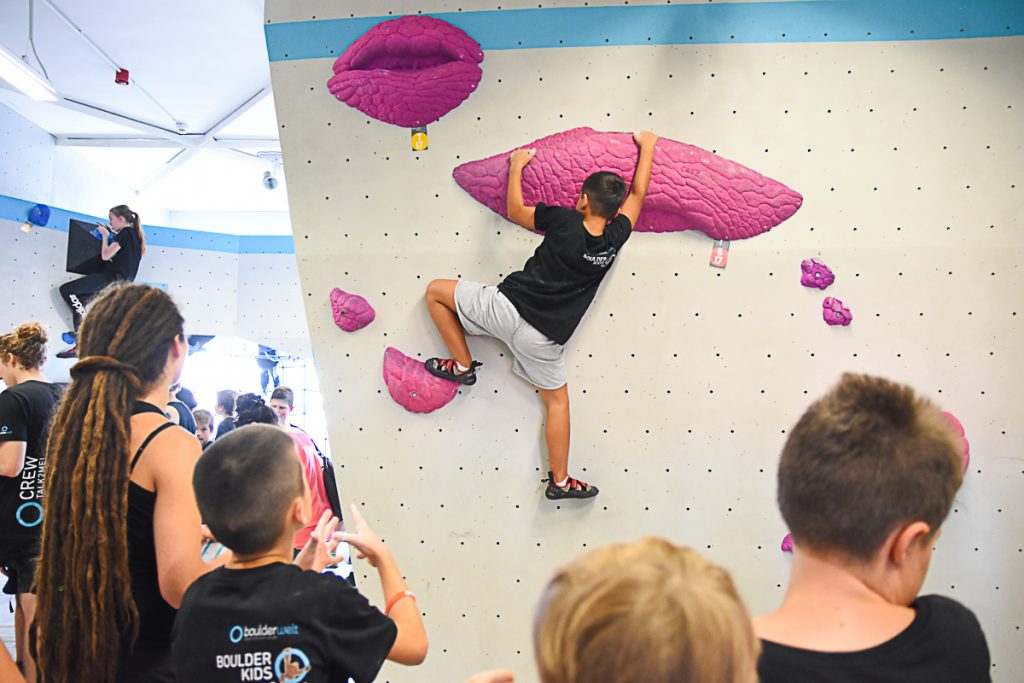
x=943 y=643
x=25 y=413
x=124 y=265
x=275 y=623
x=554 y=289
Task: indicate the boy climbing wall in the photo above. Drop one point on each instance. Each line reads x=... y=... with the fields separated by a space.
x=535 y=311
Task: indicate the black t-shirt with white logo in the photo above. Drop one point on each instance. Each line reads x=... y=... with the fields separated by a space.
x=25 y=413
x=943 y=643
x=554 y=289
x=124 y=265
x=278 y=623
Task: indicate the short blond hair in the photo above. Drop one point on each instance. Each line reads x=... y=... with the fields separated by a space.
x=646 y=611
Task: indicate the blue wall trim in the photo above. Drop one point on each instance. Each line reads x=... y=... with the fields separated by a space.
x=743 y=22
x=14 y=209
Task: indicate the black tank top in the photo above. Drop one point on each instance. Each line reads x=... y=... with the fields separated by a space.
x=155 y=616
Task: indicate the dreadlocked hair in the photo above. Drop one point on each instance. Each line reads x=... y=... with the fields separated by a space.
x=86 y=613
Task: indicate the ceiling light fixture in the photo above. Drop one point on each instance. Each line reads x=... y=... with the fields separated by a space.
x=19 y=74
x=270 y=180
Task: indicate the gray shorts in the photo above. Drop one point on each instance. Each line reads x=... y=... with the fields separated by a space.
x=483 y=310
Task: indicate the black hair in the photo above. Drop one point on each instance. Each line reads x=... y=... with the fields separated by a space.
x=187 y=397
x=226 y=400
x=252 y=410
x=244 y=484
x=605 y=191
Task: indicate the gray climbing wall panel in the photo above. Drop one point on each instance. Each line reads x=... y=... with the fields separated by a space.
x=684 y=379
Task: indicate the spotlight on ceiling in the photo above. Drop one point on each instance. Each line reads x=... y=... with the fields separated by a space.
x=270 y=178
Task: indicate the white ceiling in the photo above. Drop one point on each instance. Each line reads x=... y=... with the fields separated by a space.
x=199 y=60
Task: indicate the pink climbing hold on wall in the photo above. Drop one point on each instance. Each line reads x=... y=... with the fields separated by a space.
x=351 y=311
x=690 y=189
x=787 y=543
x=834 y=312
x=412 y=387
x=408 y=71
x=814 y=273
x=961 y=435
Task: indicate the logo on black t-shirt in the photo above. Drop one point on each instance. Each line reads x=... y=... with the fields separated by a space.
x=289 y=666
x=292 y=665
x=4 y=429
x=601 y=259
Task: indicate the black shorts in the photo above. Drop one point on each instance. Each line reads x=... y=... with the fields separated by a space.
x=20 y=575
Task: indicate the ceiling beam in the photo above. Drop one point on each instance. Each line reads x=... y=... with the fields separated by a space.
x=121 y=120
x=205 y=140
x=121 y=141
x=237 y=112
x=174 y=162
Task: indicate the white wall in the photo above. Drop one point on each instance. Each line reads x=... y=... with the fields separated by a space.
x=683 y=379
x=26 y=158
x=81 y=185
x=235 y=222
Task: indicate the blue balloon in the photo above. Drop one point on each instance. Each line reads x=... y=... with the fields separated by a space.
x=39 y=215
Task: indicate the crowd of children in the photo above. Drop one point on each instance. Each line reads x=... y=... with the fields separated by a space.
x=119 y=591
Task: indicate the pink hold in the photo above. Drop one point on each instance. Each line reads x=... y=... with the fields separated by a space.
x=351 y=311
x=691 y=188
x=408 y=71
x=412 y=386
x=816 y=274
x=834 y=312
x=958 y=429
x=787 y=543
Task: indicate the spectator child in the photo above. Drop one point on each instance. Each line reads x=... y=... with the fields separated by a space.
x=253 y=496
x=866 y=478
x=204 y=427
x=647 y=611
x=225 y=410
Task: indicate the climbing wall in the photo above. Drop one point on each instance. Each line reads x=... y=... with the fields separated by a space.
x=902 y=129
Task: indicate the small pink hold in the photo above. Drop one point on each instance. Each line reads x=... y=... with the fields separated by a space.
x=958 y=429
x=412 y=387
x=351 y=311
x=816 y=274
x=834 y=312
x=787 y=543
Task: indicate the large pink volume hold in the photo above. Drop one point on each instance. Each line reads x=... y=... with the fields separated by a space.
x=408 y=71
x=412 y=386
x=690 y=189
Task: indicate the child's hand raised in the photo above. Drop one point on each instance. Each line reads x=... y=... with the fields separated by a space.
x=521 y=157
x=317 y=554
x=645 y=138
x=370 y=547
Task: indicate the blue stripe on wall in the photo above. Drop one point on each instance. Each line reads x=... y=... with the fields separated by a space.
x=14 y=209
x=743 y=22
